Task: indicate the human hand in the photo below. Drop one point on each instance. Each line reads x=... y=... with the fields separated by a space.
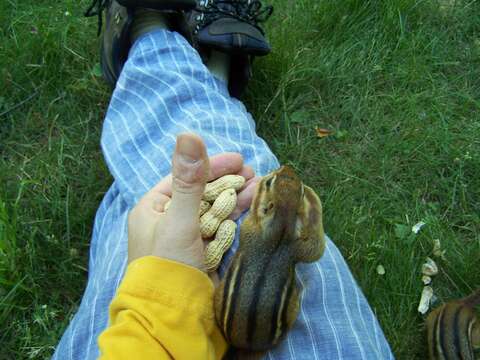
x=175 y=235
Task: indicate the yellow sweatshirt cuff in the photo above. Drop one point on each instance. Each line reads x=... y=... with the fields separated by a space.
x=170 y=282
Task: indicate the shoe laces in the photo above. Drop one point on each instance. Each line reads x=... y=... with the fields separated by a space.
x=96 y=9
x=249 y=11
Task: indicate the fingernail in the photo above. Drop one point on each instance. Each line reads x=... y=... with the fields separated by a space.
x=188 y=151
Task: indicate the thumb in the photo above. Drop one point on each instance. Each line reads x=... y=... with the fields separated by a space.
x=190 y=170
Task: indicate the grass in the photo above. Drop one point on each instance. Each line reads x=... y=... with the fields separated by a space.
x=398 y=81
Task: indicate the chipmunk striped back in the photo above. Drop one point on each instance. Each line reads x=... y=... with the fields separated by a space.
x=257 y=300
x=454 y=330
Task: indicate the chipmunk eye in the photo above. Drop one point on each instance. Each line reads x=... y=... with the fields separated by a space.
x=268 y=208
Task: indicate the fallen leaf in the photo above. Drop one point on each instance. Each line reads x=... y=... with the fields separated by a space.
x=426 y=279
x=402 y=231
x=416 y=228
x=430 y=268
x=341 y=134
x=97 y=70
x=437 y=249
x=299 y=117
x=321 y=132
x=380 y=270
x=424 y=304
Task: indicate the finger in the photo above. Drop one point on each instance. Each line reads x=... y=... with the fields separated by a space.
x=247 y=172
x=159 y=201
x=189 y=175
x=221 y=164
x=244 y=198
x=152 y=201
x=224 y=164
x=164 y=186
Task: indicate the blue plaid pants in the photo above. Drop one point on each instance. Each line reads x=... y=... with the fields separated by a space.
x=164 y=89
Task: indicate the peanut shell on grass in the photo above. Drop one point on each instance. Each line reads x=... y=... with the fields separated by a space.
x=426 y=297
x=429 y=268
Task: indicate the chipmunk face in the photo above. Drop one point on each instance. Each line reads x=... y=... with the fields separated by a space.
x=277 y=203
x=278 y=191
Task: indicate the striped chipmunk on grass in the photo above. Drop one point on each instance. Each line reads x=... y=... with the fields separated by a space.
x=257 y=301
x=453 y=329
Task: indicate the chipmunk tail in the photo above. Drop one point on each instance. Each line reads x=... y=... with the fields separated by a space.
x=473 y=300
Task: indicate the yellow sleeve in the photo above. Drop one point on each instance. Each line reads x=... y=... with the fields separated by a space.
x=163 y=309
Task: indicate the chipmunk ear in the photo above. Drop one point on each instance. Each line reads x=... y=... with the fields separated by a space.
x=309 y=244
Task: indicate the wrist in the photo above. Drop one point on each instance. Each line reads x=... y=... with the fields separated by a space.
x=188 y=259
x=154 y=277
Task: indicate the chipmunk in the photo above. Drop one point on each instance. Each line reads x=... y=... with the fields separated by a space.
x=257 y=300
x=454 y=329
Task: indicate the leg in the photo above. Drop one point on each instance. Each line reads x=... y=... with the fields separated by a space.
x=165 y=89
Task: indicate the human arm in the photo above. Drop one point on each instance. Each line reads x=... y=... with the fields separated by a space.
x=149 y=312
x=163 y=309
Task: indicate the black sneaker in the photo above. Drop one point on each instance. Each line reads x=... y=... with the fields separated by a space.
x=116 y=41
x=230 y=26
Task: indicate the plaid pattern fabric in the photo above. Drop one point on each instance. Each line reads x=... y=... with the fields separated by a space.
x=164 y=89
